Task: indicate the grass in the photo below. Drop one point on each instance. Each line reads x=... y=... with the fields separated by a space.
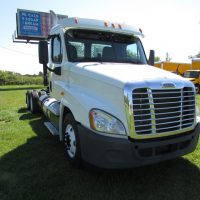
x=33 y=166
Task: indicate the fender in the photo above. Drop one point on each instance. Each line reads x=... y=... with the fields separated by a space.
x=79 y=100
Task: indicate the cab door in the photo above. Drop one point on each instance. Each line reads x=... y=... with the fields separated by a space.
x=56 y=63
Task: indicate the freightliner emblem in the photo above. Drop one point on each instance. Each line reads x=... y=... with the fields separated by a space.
x=168 y=85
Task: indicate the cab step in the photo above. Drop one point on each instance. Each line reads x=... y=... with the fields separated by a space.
x=54 y=131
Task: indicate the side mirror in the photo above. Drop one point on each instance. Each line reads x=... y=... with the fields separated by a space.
x=57 y=70
x=43 y=59
x=43 y=52
x=151 y=57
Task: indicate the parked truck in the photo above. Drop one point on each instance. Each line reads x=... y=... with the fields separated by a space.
x=194 y=77
x=174 y=67
x=194 y=74
x=196 y=63
x=106 y=104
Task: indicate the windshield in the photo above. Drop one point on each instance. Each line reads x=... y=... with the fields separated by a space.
x=92 y=46
x=191 y=74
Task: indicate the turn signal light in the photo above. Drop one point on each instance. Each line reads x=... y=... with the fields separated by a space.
x=76 y=21
x=105 y=24
x=120 y=26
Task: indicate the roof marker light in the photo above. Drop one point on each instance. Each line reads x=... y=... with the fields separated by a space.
x=140 y=30
x=120 y=26
x=105 y=24
x=76 y=20
x=113 y=25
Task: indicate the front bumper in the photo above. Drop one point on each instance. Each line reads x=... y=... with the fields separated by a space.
x=108 y=152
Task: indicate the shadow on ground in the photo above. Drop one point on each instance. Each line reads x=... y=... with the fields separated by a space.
x=38 y=170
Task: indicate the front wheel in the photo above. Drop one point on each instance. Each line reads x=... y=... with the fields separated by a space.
x=197 y=88
x=71 y=140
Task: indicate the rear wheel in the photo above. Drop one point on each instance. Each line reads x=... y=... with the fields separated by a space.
x=71 y=141
x=34 y=106
x=28 y=94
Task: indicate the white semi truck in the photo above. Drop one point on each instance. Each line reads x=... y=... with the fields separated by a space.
x=109 y=107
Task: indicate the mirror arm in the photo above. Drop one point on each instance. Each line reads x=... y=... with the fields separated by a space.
x=45 y=76
x=55 y=70
x=51 y=70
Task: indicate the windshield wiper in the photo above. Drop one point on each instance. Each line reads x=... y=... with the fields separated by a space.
x=132 y=61
x=91 y=60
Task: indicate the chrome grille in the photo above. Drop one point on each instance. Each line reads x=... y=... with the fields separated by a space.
x=163 y=110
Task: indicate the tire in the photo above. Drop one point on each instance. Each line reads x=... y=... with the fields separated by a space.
x=71 y=141
x=28 y=94
x=34 y=106
x=197 y=88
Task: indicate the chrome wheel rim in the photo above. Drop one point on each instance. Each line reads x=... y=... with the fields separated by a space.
x=70 y=141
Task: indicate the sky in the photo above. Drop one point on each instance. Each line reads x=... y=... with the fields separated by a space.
x=169 y=26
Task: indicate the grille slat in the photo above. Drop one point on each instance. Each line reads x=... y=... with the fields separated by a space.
x=159 y=118
x=161 y=98
x=142 y=131
x=144 y=104
x=159 y=123
x=157 y=108
x=163 y=110
x=159 y=113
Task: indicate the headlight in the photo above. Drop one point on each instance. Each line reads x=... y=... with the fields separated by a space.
x=197 y=113
x=104 y=122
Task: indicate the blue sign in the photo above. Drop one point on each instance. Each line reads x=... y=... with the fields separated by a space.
x=34 y=25
x=29 y=23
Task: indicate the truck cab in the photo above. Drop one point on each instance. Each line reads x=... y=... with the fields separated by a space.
x=194 y=77
x=109 y=107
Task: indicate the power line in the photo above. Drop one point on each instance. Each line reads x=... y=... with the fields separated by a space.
x=20 y=52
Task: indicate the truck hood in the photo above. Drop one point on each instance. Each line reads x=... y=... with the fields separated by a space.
x=121 y=73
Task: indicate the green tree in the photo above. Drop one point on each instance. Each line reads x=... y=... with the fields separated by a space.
x=40 y=74
x=157 y=59
x=198 y=55
x=12 y=78
x=168 y=58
